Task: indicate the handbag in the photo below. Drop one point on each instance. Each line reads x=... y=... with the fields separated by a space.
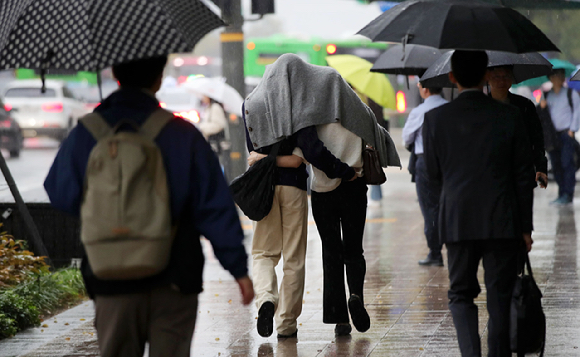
x=253 y=191
x=372 y=170
x=527 y=319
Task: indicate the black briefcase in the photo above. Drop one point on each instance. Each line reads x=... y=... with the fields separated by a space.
x=527 y=319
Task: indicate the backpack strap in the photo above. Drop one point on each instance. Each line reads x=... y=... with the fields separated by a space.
x=96 y=125
x=570 y=102
x=155 y=123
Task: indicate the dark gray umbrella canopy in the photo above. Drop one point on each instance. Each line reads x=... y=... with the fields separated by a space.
x=95 y=34
x=413 y=60
x=456 y=24
x=525 y=66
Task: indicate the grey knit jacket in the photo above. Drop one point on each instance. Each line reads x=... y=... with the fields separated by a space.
x=294 y=95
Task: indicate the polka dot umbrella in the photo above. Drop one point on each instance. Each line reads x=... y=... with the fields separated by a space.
x=94 y=34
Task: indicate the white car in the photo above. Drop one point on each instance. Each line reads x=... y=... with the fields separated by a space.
x=180 y=102
x=52 y=113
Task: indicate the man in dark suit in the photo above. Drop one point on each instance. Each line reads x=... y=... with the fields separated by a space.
x=478 y=149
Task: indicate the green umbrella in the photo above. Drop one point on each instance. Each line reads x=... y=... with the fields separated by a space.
x=568 y=67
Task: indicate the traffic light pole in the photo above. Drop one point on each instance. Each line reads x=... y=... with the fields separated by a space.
x=232 y=39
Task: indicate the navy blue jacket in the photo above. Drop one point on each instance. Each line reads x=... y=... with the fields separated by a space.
x=201 y=203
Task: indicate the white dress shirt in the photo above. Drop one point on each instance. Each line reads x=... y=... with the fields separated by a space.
x=412 y=132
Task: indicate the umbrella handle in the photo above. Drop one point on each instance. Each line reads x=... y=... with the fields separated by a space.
x=404 y=41
x=43 y=68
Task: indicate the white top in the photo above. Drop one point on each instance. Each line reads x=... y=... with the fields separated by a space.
x=346 y=146
x=213 y=121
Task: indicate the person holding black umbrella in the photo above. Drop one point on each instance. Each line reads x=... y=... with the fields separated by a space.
x=477 y=148
x=428 y=191
x=500 y=80
x=162 y=308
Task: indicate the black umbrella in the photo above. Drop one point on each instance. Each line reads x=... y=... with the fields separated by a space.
x=457 y=24
x=412 y=60
x=94 y=34
x=525 y=66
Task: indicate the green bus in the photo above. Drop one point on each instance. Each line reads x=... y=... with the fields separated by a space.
x=89 y=78
x=260 y=52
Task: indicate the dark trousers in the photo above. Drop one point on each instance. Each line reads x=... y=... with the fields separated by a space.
x=340 y=218
x=500 y=262
x=563 y=165
x=163 y=317
x=428 y=194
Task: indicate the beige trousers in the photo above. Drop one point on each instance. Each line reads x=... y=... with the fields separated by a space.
x=163 y=317
x=282 y=233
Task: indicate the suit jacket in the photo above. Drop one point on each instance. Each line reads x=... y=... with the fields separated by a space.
x=534 y=130
x=478 y=149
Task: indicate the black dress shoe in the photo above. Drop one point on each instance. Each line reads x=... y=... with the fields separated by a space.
x=342 y=330
x=266 y=319
x=292 y=335
x=358 y=313
x=432 y=261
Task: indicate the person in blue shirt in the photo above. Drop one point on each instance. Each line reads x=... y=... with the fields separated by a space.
x=160 y=309
x=564 y=107
x=428 y=192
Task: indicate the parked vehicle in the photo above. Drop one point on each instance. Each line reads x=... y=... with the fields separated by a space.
x=10 y=133
x=52 y=113
x=181 y=102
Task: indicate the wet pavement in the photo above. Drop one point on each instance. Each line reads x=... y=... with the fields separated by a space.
x=407 y=302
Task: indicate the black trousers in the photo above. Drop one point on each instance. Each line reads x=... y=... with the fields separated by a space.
x=428 y=194
x=340 y=218
x=500 y=262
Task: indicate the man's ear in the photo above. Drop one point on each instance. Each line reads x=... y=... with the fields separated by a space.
x=452 y=78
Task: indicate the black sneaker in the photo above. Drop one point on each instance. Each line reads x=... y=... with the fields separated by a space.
x=342 y=330
x=358 y=313
x=292 y=335
x=266 y=319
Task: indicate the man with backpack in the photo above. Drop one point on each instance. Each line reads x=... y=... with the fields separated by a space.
x=146 y=185
x=560 y=114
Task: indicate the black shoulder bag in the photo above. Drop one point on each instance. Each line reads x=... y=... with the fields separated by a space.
x=253 y=190
x=527 y=319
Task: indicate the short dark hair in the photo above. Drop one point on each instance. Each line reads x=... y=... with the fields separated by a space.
x=434 y=90
x=469 y=67
x=140 y=73
x=557 y=71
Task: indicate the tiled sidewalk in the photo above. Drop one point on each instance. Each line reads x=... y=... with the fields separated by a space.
x=407 y=302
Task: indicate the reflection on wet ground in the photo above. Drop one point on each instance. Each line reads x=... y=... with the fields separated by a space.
x=407 y=302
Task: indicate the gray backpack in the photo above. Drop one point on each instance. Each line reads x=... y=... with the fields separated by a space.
x=125 y=214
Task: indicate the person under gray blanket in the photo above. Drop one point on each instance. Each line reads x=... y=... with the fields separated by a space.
x=325 y=97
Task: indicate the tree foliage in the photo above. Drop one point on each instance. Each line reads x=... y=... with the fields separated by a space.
x=563 y=28
x=16 y=262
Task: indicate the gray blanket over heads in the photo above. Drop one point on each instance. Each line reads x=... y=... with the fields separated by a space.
x=294 y=95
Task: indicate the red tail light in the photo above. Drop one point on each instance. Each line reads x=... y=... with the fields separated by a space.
x=5 y=124
x=162 y=105
x=192 y=115
x=8 y=107
x=52 y=107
